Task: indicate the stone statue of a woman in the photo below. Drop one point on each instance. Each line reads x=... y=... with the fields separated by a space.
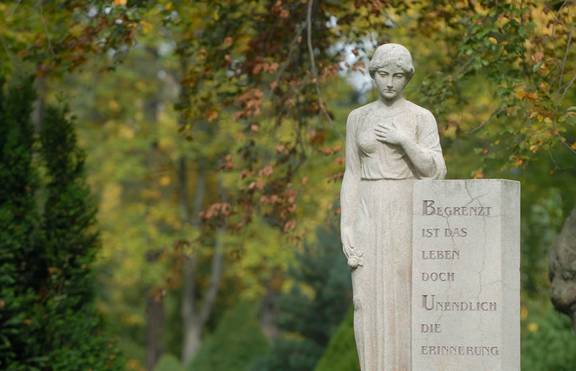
x=390 y=143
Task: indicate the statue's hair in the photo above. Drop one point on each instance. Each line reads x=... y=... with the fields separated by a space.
x=391 y=53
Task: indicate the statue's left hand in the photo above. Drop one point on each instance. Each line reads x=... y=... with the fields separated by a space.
x=389 y=133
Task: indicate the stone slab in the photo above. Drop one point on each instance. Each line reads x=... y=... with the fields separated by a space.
x=466 y=275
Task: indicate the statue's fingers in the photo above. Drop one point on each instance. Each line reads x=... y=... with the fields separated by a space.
x=381 y=137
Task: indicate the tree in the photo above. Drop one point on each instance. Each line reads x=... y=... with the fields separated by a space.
x=47 y=313
x=235 y=343
x=314 y=306
x=72 y=335
x=341 y=352
x=20 y=264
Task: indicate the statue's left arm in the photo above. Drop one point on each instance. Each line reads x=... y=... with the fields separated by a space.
x=425 y=153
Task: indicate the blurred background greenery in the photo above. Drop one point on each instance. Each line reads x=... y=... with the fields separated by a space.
x=171 y=169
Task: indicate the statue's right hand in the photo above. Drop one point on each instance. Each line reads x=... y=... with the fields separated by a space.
x=353 y=255
x=354 y=261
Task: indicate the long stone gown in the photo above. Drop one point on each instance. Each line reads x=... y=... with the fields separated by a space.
x=377 y=200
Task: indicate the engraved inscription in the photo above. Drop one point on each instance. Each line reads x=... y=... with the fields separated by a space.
x=463 y=273
x=459 y=350
x=440 y=254
x=429 y=208
x=429 y=302
x=438 y=276
x=430 y=328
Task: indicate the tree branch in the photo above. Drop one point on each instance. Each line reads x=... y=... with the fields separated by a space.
x=563 y=65
x=216 y=269
x=568 y=87
x=492 y=115
x=313 y=61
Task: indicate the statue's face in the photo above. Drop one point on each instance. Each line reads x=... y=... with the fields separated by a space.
x=390 y=81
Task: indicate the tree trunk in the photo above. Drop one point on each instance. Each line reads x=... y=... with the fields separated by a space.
x=192 y=331
x=155 y=315
x=268 y=313
x=154 y=328
x=40 y=104
x=196 y=316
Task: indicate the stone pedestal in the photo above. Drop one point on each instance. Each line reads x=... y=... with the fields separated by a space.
x=466 y=275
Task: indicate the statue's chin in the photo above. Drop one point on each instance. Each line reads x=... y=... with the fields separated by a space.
x=390 y=97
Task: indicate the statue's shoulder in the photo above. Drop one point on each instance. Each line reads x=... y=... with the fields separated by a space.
x=361 y=111
x=418 y=110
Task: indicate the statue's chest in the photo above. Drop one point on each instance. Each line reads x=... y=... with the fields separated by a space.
x=366 y=136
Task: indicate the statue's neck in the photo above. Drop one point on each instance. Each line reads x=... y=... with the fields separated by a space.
x=394 y=104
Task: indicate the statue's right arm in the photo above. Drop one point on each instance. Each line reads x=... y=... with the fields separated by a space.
x=349 y=197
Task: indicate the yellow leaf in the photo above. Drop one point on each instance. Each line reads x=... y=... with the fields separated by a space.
x=532 y=327
x=519 y=93
x=76 y=30
x=113 y=105
x=146 y=27
x=524 y=313
x=120 y=2
x=165 y=180
x=450 y=132
x=478 y=174
x=110 y=197
x=126 y=132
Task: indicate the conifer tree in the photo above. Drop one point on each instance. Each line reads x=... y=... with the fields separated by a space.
x=19 y=265
x=312 y=310
x=72 y=337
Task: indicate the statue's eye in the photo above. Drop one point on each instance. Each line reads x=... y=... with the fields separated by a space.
x=398 y=75
x=383 y=74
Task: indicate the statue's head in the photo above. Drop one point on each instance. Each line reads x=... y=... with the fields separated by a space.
x=391 y=68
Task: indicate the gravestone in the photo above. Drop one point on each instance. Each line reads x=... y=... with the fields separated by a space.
x=466 y=275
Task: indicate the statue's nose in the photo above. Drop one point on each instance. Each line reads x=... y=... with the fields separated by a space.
x=389 y=82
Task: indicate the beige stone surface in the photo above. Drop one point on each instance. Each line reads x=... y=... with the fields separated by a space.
x=466 y=275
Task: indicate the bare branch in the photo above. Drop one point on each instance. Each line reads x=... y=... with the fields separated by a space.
x=291 y=50
x=313 y=61
x=563 y=65
x=492 y=115
x=568 y=87
x=569 y=148
x=45 y=25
